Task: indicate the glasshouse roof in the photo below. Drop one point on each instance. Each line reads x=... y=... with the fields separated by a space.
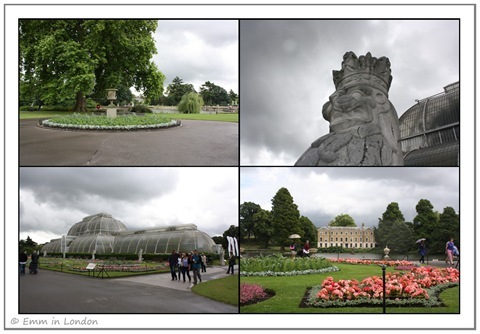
x=101 y=233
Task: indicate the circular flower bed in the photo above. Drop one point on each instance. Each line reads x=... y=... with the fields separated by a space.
x=419 y=287
x=104 y=123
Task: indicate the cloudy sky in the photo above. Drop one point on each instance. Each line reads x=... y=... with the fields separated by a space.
x=198 y=51
x=53 y=199
x=286 y=75
x=363 y=193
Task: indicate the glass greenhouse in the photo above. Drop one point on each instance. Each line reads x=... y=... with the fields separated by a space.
x=430 y=130
x=101 y=233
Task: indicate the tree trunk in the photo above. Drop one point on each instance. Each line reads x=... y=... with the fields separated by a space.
x=80 y=103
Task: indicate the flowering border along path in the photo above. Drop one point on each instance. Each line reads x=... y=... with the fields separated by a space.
x=103 y=123
x=419 y=287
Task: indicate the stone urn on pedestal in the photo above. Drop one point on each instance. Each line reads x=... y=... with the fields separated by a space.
x=111 y=96
x=386 y=251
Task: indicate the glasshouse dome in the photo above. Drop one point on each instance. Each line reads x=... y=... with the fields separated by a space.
x=101 y=223
x=430 y=130
x=102 y=234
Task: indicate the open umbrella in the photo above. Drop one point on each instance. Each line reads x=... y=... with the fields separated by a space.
x=294 y=236
x=420 y=240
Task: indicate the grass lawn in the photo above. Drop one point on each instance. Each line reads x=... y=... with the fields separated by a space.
x=290 y=291
x=223 y=290
x=200 y=117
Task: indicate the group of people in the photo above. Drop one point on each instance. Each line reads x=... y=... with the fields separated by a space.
x=450 y=250
x=181 y=264
x=305 y=251
x=23 y=259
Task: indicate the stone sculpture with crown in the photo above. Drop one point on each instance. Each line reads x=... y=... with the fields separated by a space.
x=364 y=128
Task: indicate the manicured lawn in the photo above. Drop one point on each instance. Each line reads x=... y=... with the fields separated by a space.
x=224 y=290
x=200 y=117
x=290 y=291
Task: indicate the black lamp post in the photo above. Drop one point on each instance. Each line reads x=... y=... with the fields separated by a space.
x=384 y=267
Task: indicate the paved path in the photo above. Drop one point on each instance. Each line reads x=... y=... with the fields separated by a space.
x=195 y=143
x=51 y=292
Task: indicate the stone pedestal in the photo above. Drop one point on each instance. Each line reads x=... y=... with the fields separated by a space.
x=111 y=112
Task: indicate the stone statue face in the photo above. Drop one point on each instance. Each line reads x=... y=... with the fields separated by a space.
x=353 y=107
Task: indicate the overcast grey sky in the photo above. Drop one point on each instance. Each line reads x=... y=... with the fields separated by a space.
x=53 y=199
x=286 y=75
x=363 y=193
x=198 y=51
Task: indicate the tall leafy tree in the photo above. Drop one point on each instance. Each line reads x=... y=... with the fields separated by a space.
x=27 y=245
x=426 y=220
x=214 y=95
x=233 y=97
x=309 y=230
x=65 y=59
x=176 y=90
x=263 y=227
x=285 y=217
x=247 y=211
x=393 y=232
x=448 y=227
x=342 y=220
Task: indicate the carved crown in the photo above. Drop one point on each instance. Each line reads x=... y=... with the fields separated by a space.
x=363 y=70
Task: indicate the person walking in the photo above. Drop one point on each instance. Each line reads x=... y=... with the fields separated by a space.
x=185 y=267
x=422 y=249
x=23 y=258
x=173 y=262
x=196 y=266
x=449 y=250
x=231 y=263
x=34 y=263
x=204 y=263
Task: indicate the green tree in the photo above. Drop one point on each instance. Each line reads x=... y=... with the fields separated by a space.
x=309 y=231
x=191 y=103
x=262 y=227
x=27 y=245
x=342 y=220
x=393 y=232
x=214 y=95
x=247 y=211
x=285 y=217
x=65 y=59
x=233 y=97
x=448 y=227
x=426 y=221
x=176 y=90
x=399 y=238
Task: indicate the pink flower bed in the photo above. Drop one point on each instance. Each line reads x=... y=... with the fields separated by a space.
x=409 y=285
x=250 y=293
x=376 y=262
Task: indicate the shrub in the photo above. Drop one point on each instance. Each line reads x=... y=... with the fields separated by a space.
x=140 y=108
x=191 y=103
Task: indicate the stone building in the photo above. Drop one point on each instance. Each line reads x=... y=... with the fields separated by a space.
x=430 y=130
x=346 y=237
x=103 y=234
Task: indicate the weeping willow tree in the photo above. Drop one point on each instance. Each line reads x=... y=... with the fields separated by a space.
x=191 y=103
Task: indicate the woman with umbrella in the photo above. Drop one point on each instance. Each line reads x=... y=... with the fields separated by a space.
x=422 y=249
